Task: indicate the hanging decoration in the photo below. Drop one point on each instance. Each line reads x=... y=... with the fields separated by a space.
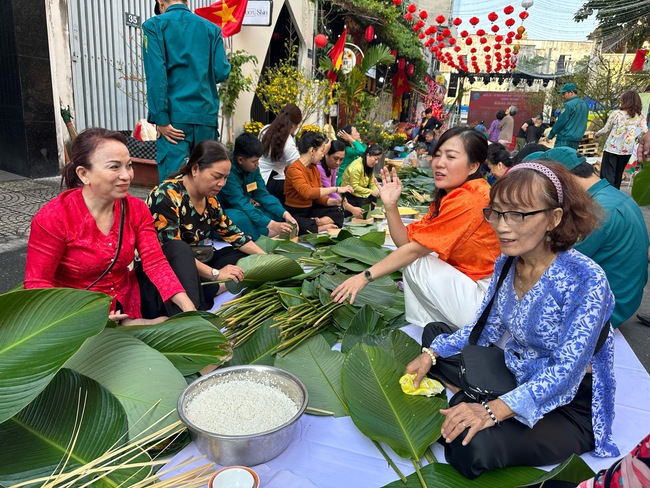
x=370 y=33
x=320 y=40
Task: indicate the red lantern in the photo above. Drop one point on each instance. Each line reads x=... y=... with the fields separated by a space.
x=486 y=49
x=510 y=34
x=408 y=16
x=421 y=35
x=441 y=45
x=420 y=24
x=433 y=49
x=410 y=69
x=430 y=30
x=457 y=48
x=494 y=28
x=464 y=33
x=473 y=58
x=474 y=20
x=510 y=22
x=423 y=14
x=440 y=19
x=480 y=32
x=468 y=41
x=401 y=62
x=416 y=28
x=487 y=56
x=393 y=53
x=473 y=50
x=412 y=8
x=457 y=21
x=508 y=9
x=370 y=33
x=440 y=37
x=482 y=40
x=320 y=40
x=518 y=37
x=446 y=32
x=509 y=40
x=492 y=16
x=523 y=15
x=497 y=46
x=476 y=70
x=521 y=29
x=397 y=2
x=451 y=41
x=507 y=49
x=498 y=38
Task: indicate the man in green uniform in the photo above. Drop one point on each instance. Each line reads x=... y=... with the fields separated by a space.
x=572 y=122
x=184 y=59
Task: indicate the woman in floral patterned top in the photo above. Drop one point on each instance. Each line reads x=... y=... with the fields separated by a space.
x=624 y=125
x=186 y=212
x=547 y=317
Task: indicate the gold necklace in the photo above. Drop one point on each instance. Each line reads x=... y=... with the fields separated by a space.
x=524 y=285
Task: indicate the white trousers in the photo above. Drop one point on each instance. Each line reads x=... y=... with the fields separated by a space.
x=435 y=291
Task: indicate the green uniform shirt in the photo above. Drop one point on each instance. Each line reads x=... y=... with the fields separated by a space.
x=184 y=59
x=620 y=247
x=572 y=122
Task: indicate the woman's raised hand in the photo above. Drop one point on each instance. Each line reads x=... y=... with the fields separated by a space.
x=345 y=136
x=232 y=272
x=391 y=187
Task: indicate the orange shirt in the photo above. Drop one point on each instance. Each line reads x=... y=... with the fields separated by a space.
x=302 y=185
x=459 y=234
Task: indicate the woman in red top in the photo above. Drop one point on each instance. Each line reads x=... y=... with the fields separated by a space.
x=448 y=256
x=305 y=197
x=74 y=238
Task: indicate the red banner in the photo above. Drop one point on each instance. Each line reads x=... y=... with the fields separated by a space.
x=227 y=14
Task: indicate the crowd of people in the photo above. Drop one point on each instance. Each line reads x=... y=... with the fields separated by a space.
x=550 y=257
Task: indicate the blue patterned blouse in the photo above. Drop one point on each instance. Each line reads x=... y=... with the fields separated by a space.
x=551 y=336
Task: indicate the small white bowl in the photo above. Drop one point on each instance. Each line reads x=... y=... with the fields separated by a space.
x=235 y=477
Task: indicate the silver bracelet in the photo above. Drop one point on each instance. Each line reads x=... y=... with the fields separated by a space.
x=490 y=412
x=430 y=353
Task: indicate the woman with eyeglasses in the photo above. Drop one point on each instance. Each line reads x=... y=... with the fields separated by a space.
x=448 y=257
x=550 y=316
x=305 y=197
x=328 y=169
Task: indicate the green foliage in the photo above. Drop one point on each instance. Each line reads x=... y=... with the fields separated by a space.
x=616 y=22
x=287 y=83
x=237 y=83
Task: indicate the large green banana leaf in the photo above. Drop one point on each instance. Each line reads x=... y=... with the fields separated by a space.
x=439 y=475
x=365 y=323
x=573 y=470
x=37 y=441
x=378 y=237
x=260 y=348
x=379 y=408
x=366 y=252
x=190 y=342
x=143 y=380
x=319 y=368
x=379 y=294
x=267 y=244
x=39 y=331
x=641 y=186
x=261 y=268
x=397 y=343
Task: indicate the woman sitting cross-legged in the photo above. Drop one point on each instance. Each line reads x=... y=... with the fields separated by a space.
x=359 y=175
x=328 y=169
x=87 y=236
x=186 y=212
x=245 y=198
x=550 y=317
x=448 y=257
x=305 y=197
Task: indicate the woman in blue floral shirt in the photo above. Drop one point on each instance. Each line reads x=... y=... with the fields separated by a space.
x=547 y=316
x=186 y=212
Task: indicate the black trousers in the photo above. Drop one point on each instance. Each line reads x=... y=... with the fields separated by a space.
x=276 y=187
x=306 y=216
x=564 y=431
x=361 y=201
x=612 y=167
x=180 y=257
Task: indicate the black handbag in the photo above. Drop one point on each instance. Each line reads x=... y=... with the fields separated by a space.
x=119 y=246
x=483 y=374
x=203 y=253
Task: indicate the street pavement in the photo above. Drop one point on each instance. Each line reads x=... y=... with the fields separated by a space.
x=20 y=199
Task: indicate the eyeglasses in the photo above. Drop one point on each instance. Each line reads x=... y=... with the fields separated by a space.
x=510 y=217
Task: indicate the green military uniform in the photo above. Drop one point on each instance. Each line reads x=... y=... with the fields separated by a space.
x=570 y=126
x=184 y=59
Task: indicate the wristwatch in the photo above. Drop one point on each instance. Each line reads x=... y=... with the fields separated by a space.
x=368 y=275
x=215 y=273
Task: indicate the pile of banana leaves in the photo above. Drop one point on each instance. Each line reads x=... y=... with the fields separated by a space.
x=290 y=289
x=417 y=186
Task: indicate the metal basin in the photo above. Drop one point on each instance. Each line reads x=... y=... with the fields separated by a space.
x=246 y=450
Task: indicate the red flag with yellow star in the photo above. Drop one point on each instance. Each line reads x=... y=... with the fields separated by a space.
x=400 y=83
x=336 y=54
x=227 y=14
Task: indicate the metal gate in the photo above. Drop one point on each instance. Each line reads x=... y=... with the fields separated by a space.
x=107 y=73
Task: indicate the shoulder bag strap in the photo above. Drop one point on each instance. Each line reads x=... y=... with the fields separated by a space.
x=480 y=323
x=119 y=246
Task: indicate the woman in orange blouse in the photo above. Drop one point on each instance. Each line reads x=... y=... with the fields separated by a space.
x=305 y=197
x=448 y=256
